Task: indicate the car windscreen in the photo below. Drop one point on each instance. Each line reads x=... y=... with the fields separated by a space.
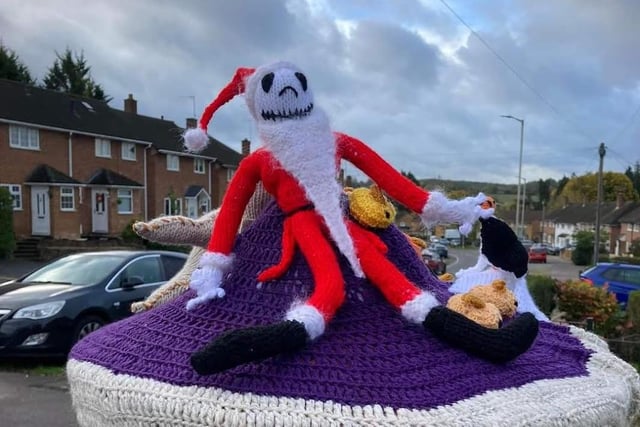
x=80 y=269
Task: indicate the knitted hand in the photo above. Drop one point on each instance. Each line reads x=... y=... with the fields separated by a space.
x=465 y=212
x=206 y=280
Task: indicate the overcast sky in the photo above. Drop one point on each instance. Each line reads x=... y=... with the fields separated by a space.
x=406 y=76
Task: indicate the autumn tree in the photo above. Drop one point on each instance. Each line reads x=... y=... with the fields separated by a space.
x=584 y=189
x=11 y=68
x=71 y=74
x=634 y=176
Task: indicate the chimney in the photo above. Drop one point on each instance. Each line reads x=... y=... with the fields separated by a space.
x=348 y=181
x=246 y=147
x=192 y=123
x=130 y=105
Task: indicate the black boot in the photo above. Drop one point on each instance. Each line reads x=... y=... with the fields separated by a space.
x=495 y=345
x=246 y=345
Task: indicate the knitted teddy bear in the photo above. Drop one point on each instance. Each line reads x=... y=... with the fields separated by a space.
x=498 y=294
x=475 y=308
x=297 y=165
x=369 y=207
x=483 y=302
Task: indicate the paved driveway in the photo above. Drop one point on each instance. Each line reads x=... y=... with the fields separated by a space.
x=35 y=400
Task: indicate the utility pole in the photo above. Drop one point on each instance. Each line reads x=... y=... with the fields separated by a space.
x=596 y=241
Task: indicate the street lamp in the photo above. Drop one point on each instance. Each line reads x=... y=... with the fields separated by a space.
x=524 y=204
x=519 y=168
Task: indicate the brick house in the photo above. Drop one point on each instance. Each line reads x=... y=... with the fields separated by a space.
x=77 y=167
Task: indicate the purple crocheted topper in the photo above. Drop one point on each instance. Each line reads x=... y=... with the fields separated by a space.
x=368 y=355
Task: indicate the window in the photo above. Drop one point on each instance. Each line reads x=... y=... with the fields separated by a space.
x=173 y=162
x=16 y=195
x=230 y=173
x=172 y=206
x=125 y=201
x=140 y=272
x=171 y=264
x=24 y=137
x=198 y=165
x=67 y=202
x=103 y=148
x=128 y=151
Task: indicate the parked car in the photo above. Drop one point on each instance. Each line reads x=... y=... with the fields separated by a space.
x=620 y=279
x=537 y=253
x=551 y=250
x=441 y=250
x=434 y=262
x=48 y=310
x=527 y=243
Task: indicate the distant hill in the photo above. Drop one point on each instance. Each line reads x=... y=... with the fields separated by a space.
x=470 y=187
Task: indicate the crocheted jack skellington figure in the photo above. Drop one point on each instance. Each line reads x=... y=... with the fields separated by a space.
x=297 y=165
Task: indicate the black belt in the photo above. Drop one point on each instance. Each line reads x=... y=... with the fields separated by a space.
x=307 y=207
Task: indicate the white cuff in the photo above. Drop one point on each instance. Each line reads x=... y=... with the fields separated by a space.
x=216 y=260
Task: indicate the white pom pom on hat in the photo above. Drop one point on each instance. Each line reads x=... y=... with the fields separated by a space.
x=196 y=140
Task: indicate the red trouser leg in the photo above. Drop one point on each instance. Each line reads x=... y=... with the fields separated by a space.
x=384 y=274
x=328 y=294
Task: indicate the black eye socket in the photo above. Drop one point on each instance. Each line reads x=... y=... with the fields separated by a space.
x=267 y=81
x=303 y=81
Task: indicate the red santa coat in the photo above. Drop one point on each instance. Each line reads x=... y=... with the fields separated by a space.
x=303 y=225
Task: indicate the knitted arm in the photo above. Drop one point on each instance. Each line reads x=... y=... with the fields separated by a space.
x=207 y=279
x=433 y=206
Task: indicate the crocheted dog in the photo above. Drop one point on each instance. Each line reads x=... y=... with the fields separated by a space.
x=297 y=164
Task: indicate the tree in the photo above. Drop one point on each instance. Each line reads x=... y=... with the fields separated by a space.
x=584 y=189
x=544 y=191
x=11 y=68
x=7 y=238
x=71 y=74
x=634 y=176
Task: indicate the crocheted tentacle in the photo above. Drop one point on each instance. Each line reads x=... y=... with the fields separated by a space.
x=288 y=251
x=178 y=230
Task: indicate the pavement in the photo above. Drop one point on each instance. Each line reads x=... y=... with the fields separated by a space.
x=28 y=399
x=13 y=268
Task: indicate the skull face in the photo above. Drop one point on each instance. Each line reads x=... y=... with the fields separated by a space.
x=279 y=92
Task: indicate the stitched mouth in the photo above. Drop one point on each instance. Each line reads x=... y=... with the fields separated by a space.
x=284 y=90
x=290 y=114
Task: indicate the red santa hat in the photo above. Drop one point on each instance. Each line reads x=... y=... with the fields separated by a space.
x=196 y=140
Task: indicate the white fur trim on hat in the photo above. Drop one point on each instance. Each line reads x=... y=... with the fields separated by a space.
x=195 y=140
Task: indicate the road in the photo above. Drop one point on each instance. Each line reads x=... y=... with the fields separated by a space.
x=34 y=400
x=556 y=267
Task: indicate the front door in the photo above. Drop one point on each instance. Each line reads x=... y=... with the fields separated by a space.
x=100 y=210
x=40 y=215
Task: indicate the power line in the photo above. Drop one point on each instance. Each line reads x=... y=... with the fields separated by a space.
x=513 y=70
x=628 y=124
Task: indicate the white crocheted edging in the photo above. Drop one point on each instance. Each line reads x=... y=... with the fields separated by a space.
x=609 y=395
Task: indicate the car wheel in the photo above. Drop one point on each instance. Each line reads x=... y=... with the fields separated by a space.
x=85 y=325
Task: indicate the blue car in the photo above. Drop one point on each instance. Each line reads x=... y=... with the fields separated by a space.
x=621 y=279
